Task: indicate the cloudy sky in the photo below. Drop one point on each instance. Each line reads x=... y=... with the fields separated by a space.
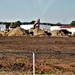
x=52 y=11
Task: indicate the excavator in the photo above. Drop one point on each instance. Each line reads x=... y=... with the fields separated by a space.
x=35 y=30
x=35 y=25
x=37 y=22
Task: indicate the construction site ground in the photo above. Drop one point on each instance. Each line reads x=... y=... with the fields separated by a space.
x=46 y=64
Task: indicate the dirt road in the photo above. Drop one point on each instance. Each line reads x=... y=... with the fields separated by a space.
x=38 y=43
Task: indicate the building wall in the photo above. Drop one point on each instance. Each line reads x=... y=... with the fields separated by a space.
x=69 y=28
x=26 y=26
x=54 y=28
x=2 y=27
x=46 y=27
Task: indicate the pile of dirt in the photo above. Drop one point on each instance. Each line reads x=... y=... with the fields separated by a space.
x=57 y=33
x=2 y=33
x=37 y=32
x=17 y=32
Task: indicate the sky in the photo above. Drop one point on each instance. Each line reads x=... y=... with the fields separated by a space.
x=51 y=11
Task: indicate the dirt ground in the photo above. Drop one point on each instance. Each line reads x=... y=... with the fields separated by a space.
x=46 y=64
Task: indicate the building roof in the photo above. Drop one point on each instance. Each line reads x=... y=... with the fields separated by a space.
x=67 y=27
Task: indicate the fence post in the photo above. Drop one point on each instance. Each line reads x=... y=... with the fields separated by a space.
x=33 y=63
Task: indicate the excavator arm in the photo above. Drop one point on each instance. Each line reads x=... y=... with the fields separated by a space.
x=35 y=23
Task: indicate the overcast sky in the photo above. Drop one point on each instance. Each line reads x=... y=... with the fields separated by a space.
x=51 y=11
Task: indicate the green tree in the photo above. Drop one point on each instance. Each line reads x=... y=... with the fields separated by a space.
x=58 y=24
x=72 y=23
x=32 y=22
x=1 y=22
x=7 y=24
x=17 y=23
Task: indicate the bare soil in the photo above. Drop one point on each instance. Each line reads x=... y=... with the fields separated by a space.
x=46 y=64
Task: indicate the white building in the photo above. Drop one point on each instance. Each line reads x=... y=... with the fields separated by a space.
x=26 y=27
x=46 y=27
x=68 y=28
x=54 y=28
x=2 y=27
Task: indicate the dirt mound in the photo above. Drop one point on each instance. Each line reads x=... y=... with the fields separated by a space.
x=57 y=33
x=37 y=32
x=2 y=33
x=17 y=32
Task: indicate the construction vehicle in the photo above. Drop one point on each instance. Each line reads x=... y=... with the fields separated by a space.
x=36 y=24
x=35 y=30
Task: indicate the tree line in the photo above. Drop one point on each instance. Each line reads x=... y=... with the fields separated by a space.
x=18 y=23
